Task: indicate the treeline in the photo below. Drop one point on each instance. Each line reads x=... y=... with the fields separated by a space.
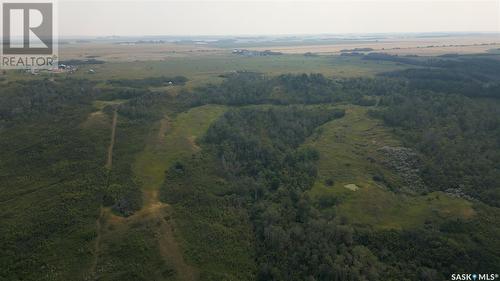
x=119 y=93
x=434 y=252
x=253 y=88
x=356 y=50
x=450 y=114
x=411 y=60
x=146 y=106
x=448 y=81
x=39 y=98
x=149 y=82
x=473 y=76
x=458 y=137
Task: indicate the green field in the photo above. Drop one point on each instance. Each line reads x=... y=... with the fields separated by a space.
x=203 y=69
x=207 y=69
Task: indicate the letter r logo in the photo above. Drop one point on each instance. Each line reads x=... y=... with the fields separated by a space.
x=27 y=28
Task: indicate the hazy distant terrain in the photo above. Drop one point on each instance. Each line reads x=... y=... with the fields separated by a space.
x=157 y=48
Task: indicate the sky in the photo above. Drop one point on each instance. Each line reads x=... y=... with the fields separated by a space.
x=278 y=17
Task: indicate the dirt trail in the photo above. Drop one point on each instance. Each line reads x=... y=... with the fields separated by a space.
x=97 y=246
x=109 y=162
x=99 y=221
x=155 y=210
x=170 y=250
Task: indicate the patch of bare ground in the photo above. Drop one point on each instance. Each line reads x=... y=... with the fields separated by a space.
x=192 y=142
x=95 y=118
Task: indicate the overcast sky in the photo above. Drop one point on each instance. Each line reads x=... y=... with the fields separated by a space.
x=236 y=17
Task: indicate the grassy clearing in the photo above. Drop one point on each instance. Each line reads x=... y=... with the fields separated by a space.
x=348 y=155
x=173 y=140
x=347 y=144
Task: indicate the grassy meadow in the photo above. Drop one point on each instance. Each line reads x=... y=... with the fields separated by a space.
x=348 y=155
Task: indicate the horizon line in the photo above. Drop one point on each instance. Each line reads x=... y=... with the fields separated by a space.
x=292 y=34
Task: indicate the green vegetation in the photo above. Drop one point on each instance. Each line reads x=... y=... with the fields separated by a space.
x=244 y=88
x=149 y=82
x=217 y=204
x=348 y=155
x=213 y=229
x=202 y=69
x=135 y=121
x=458 y=137
x=52 y=171
x=389 y=204
x=253 y=176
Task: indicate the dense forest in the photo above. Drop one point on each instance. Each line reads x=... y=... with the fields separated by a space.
x=51 y=176
x=242 y=203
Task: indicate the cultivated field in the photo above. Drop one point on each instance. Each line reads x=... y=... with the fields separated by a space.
x=402 y=45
